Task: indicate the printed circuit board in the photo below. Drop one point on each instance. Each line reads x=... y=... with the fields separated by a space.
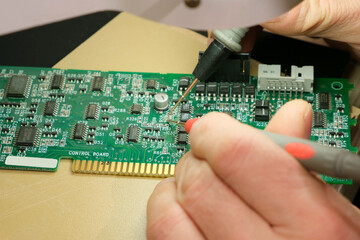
x=116 y=122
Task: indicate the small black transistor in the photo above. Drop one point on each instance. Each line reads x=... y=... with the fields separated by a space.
x=224 y=89
x=237 y=90
x=200 y=88
x=184 y=83
x=212 y=88
x=250 y=89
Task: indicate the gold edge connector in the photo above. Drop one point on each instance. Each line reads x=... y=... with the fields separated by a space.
x=123 y=168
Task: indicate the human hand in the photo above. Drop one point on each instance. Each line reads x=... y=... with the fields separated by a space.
x=236 y=183
x=329 y=19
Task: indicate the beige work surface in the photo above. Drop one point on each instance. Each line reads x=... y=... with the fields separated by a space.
x=63 y=205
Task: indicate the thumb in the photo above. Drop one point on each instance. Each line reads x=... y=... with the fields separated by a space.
x=293 y=119
x=332 y=19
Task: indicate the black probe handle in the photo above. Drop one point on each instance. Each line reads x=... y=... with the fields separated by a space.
x=211 y=60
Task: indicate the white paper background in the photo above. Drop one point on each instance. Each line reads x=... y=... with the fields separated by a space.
x=16 y=15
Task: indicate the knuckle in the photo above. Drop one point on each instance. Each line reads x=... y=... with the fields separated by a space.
x=194 y=184
x=311 y=17
x=161 y=227
x=233 y=154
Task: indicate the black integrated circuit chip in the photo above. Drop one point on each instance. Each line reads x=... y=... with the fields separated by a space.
x=184 y=117
x=212 y=88
x=79 y=131
x=151 y=84
x=262 y=114
x=224 y=89
x=250 y=89
x=319 y=120
x=98 y=84
x=133 y=134
x=57 y=81
x=181 y=129
x=50 y=108
x=200 y=88
x=324 y=100
x=92 y=111
x=27 y=136
x=185 y=108
x=136 y=109
x=237 y=89
x=262 y=104
x=17 y=87
x=182 y=138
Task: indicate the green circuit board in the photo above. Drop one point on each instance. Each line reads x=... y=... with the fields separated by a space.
x=116 y=123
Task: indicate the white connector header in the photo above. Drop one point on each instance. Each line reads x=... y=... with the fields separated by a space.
x=301 y=79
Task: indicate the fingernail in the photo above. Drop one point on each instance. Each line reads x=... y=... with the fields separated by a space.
x=308 y=122
x=189 y=123
x=308 y=110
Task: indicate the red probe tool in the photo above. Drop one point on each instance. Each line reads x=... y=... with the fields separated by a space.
x=333 y=162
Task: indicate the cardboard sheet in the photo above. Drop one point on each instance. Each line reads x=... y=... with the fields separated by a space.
x=63 y=205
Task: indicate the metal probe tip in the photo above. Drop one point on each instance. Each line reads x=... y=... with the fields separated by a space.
x=176 y=122
x=184 y=95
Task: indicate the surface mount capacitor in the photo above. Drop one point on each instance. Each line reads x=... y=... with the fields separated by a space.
x=161 y=101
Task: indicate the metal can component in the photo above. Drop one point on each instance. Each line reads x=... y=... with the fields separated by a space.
x=161 y=101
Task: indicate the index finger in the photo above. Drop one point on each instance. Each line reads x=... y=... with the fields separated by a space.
x=265 y=176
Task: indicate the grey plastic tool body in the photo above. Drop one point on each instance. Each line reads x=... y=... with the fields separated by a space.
x=326 y=160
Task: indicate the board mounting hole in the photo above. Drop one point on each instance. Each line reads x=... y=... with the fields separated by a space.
x=337 y=85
